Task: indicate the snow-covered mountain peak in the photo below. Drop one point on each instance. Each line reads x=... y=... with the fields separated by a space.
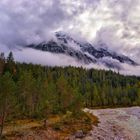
x=85 y=53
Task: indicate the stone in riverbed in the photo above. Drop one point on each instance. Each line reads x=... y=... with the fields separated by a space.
x=79 y=134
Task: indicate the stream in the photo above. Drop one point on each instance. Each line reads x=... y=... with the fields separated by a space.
x=116 y=124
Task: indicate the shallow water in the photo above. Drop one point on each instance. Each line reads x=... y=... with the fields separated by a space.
x=116 y=124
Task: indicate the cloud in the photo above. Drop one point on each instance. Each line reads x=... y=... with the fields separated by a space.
x=23 y=22
x=114 y=22
x=29 y=55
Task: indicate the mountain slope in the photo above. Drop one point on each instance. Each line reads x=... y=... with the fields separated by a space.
x=83 y=52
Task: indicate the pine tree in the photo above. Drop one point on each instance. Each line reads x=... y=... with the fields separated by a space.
x=65 y=94
x=26 y=90
x=7 y=87
x=2 y=63
x=97 y=99
x=10 y=65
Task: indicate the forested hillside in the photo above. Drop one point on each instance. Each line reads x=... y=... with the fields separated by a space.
x=34 y=91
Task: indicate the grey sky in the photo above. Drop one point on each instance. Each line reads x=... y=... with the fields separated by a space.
x=115 y=22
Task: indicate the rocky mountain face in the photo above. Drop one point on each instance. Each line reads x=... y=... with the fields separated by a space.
x=83 y=52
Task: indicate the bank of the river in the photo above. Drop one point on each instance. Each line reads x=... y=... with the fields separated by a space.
x=55 y=127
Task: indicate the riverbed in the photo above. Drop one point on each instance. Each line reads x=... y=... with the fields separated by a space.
x=116 y=124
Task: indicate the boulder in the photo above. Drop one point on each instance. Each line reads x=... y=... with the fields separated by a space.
x=79 y=134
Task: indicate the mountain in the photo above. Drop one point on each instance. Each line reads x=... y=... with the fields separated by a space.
x=83 y=52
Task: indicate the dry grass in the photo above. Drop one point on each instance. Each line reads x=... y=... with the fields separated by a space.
x=67 y=125
x=62 y=125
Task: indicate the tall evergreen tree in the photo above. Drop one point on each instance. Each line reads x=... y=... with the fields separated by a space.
x=7 y=87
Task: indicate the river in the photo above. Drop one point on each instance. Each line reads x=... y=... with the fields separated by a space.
x=116 y=124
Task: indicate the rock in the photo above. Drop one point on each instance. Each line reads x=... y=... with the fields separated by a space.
x=79 y=134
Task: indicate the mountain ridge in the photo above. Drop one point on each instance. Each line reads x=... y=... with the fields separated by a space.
x=84 y=52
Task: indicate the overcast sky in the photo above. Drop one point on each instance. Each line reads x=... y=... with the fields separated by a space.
x=114 y=22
